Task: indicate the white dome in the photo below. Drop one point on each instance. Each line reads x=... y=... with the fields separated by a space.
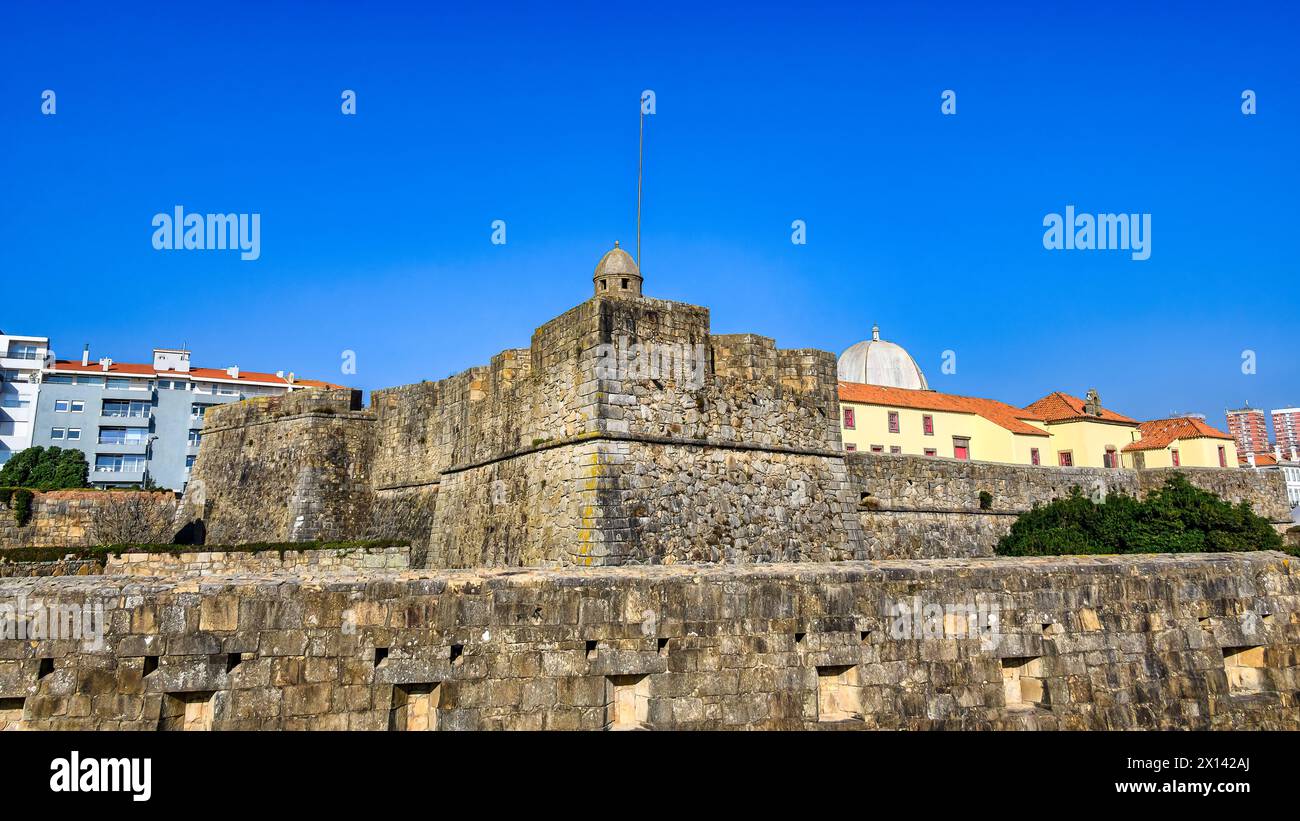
x=876 y=362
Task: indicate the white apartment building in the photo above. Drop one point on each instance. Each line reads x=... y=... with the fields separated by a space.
x=21 y=361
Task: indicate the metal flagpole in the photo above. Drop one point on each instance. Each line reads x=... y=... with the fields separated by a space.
x=640 y=154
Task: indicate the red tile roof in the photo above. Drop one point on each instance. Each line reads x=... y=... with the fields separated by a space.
x=141 y=369
x=999 y=413
x=1262 y=460
x=1161 y=433
x=1062 y=407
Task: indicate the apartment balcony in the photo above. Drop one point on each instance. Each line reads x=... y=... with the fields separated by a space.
x=11 y=362
x=117 y=477
x=137 y=421
x=128 y=393
x=134 y=448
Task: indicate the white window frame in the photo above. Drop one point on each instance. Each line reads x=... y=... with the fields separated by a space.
x=58 y=434
x=64 y=403
x=74 y=434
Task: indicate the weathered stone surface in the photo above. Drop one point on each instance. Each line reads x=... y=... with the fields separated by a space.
x=63 y=518
x=926 y=507
x=545 y=458
x=1206 y=641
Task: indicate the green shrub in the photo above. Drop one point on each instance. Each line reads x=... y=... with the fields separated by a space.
x=22 y=504
x=986 y=500
x=51 y=468
x=1177 y=518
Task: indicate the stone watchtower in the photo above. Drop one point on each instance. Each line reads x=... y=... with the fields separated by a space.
x=617 y=274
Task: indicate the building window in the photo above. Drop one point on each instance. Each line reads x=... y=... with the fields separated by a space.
x=850 y=447
x=1034 y=458
x=18 y=351
x=1223 y=456
x=877 y=448
x=960 y=447
x=1110 y=459
x=895 y=449
x=60 y=406
x=124 y=408
x=848 y=418
x=77 y=406
x=927 y=424
x=123 y=436
x=893 y=421
x=57 y=379
x=74 y=434
x=931 y=452
x=197 y=411
x=195 y=436
x=1174 y=454
x=1065 y=459
x=118 y=463
x=57 y=433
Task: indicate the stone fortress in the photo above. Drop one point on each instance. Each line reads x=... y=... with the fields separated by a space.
x=636 y=523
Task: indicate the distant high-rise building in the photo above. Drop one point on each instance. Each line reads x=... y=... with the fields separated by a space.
x=1286 y=432
x=1250 y=428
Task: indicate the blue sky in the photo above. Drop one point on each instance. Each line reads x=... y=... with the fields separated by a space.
x=375 y=228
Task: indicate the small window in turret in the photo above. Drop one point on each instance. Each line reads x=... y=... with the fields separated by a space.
x=624 y=284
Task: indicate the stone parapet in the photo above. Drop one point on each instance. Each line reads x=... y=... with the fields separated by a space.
x=1207 y=641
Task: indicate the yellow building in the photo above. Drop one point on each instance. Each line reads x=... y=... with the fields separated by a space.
x=1183 y=441
x=883 y=419
x=1084 y=434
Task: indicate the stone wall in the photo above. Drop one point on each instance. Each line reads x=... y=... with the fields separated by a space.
x=625 y=434
x=578 y=450
x=63 y=518
x=58 y=567
x=928 y=507
x=289 y=468
x=1265 y=490
x=1150 y=642
x=206 y=562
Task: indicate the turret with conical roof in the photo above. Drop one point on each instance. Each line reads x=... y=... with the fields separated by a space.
x=617 y=274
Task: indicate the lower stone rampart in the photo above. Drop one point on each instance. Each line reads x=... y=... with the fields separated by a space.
x=927 y=507
x=1206 y=641
x=214 y=562
x=67 y=518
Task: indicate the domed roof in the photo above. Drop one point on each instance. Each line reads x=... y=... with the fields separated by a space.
x=617 y=263
x=877 y=362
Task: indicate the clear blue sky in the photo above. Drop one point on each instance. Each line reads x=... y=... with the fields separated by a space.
x=376 y=228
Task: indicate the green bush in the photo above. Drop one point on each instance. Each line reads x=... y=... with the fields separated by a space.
x=51 y=468
x=1177 y=518
x=22 y=505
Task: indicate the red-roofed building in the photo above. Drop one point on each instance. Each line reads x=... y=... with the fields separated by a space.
x=1084 y=434
x=141 y=423
x=883 y=419
x=1182 y=441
